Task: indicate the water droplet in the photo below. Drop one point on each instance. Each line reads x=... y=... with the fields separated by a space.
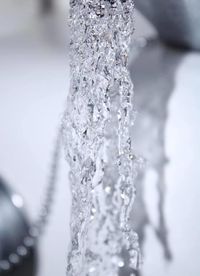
x=121 y=263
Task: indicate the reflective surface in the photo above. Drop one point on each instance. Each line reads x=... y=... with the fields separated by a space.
x=166 y=135
x=13 y=229
x=177 y=22
x=153 y=72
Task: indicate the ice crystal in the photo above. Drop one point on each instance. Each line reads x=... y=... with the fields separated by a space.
x=97 y=137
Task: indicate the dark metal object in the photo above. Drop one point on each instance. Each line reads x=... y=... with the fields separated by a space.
x=13 y=223
x=13 y=228
x=17 y=238
x=177 y=21
x=47 y=6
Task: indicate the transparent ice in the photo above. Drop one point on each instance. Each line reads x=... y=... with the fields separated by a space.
x=97 y=130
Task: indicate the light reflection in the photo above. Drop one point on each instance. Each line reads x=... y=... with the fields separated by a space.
x=153 y=72
x=17 y=200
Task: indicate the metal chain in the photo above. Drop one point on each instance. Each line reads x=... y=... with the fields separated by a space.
x=36 y=229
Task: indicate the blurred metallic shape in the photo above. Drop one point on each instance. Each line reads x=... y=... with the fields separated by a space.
x=177 y=21
x=13 y=228
x=153 y=73
x=47 y=6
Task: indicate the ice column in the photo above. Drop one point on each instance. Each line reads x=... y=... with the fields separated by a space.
x=97 y=137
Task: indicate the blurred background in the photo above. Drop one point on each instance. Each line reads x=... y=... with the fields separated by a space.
x=34 y=82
